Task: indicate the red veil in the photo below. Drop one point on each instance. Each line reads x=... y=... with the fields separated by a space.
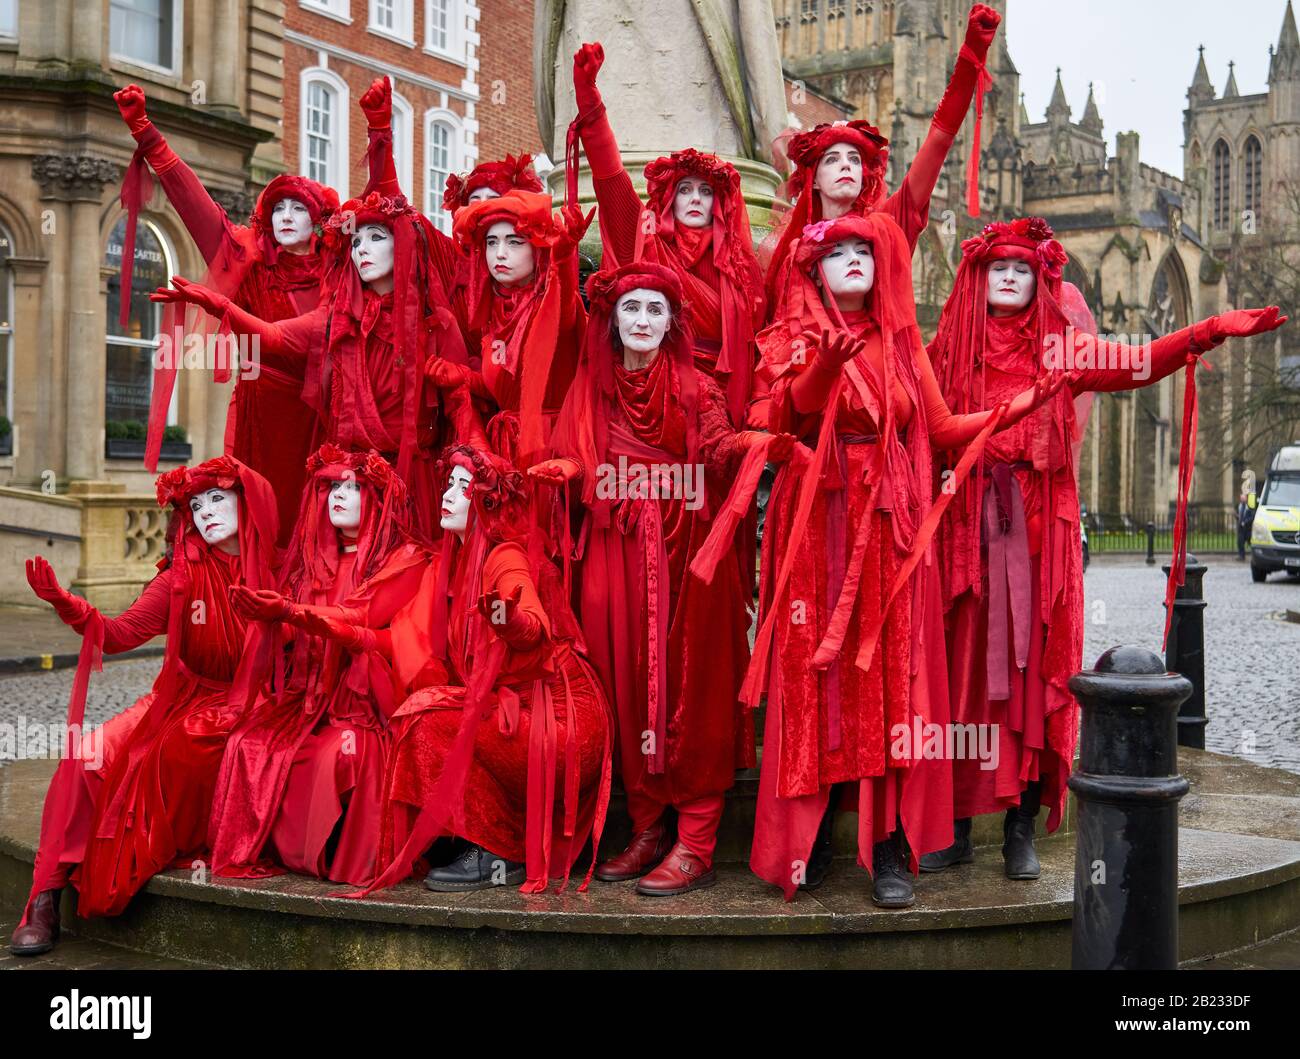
x=509 y=174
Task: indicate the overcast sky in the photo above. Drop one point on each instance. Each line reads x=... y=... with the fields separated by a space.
x=1141 y=54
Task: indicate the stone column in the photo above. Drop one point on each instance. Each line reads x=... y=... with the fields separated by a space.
x=29 y=367
x=80 y=180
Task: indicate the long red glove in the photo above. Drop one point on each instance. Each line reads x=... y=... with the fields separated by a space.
x=377 y=103
x=45 y=583
x=131 y=105
x=597 y=136
x=518 y=628
x=811 y=388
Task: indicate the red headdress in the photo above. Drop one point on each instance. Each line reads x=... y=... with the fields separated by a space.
x=509 y=174
x=520 y=327
x=804 y=151
x=734 y=310
x=419 y=311
x=225 y=274
x=583 y=426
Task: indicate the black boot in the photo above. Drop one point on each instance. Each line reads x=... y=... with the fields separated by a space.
x=823 y=851
x=1019 y=859
x=475 y=869
x=892 y=887
x=960 y=852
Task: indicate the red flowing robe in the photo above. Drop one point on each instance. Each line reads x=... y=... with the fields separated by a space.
x=270 y=405
x=671 y=649
x=544 y=695
x=1039 y=587
x=307 y=764
x=152 y=809
x=842 y=724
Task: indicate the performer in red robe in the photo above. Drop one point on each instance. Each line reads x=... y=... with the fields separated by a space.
x=272 y=268
x=504 y=737
x=695 y=223
x=109 y=829
x=366 y=344
x=1010 y=551
x=840 y=168
x=850 y=645
x=647 y=434
x=523 y=313
x=301 y=782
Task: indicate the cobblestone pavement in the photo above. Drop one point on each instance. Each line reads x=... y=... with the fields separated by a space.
x=1252 y=659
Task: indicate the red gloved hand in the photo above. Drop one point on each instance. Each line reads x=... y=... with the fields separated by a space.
x=1242 y=323
x=377 y=103
x=575 y=226
x=445 y=374
x=131 y=105
x=586 y=64
x=353 y=637
x=981 y=27
x=782 y=445
x=555 y=472
x=259 y=605
x=184 y=290
x=45 y=583
x=506 y=619
x=834 y=348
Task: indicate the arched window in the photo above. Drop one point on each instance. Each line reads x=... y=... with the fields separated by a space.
x=323 y=136
x=441 y=159
x=1222 y=177
x=128 y=379
x=1252 y=176
x=1170 y=306
x=403 y=127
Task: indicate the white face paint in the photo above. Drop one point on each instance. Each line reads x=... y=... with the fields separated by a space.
x=644 y=317
x=1011 y=285
x=693 y=203
x=372 y=254
x=291 y=223
x=509 y=255
x=839 y=175
x=455 y=501
x=478 y=194
x=850 y=268
x=345 y=506
x=216 y=517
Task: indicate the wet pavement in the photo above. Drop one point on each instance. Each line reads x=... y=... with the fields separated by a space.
x=1252 y=656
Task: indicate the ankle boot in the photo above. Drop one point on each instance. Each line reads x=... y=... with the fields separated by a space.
x=892 y=885
x=823 y=851
x=1020 y=861
x=960 y=852
x=643 y=853
x=475 y=869
x=39 y=934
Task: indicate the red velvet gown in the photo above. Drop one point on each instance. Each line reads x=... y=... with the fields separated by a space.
x=150 y=808
x=301 y=784
x=270 y=405
x=545 y=680
x=842 y=724
x=1038 y=584
x=671 y=649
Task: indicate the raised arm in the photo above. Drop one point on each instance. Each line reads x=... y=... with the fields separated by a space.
x=910 y=204
x=620 y=205
x=1114 y=366
x=293 y=337
x=137 y=625
x=203 y=218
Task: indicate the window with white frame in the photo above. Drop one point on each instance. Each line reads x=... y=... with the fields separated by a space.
x=393 y=18
x=146 y=32
x=444 y=22
x=441 y=159
x=403 y=153
x=323 y=145
x=9 y=19
x=337 y=8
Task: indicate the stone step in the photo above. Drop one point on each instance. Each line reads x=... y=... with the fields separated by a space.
x=1239 y=885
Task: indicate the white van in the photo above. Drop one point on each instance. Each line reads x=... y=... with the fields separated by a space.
x=1275 y=536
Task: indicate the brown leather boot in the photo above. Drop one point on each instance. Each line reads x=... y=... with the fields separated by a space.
x=679 y=873
x=645 y=850
x=41 y=930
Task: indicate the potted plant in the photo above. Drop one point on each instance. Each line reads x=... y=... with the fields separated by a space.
x=6 y=436
x=124 y=439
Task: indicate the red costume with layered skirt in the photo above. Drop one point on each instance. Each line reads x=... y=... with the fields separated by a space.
x=246 y=264
x=109 y=830
x=302 y=778
x=504 y=735
x=1010 y=552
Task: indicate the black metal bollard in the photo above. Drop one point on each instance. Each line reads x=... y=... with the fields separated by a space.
x=1185 y=652
x=1127 y=786
x=1151 y=544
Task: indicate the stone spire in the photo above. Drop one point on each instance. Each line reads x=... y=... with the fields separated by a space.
x=1058 y=109
x=1091 y=115
x=1202 y=90
x=1024 y=110
x=1286 y=60
x=1230 y=89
